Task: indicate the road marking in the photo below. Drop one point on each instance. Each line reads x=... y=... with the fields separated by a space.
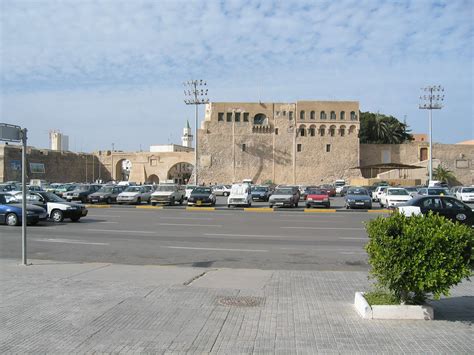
x=220 y=249
x=353 y=238
x=190 y=218
x=311 y=210
x=247 y=235
x=118 y=231
x=189 y=225
x=326 y=228
x=68 y=241
x=352 y=252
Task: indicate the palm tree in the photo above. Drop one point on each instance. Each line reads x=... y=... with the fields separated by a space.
x=382 y=129
x=443 y=174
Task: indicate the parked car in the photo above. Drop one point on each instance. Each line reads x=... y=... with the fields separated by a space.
x=11 y=212
x=446 y=206
x=240 y=195
x=61 y=190
x=260 y=193
x=344 y=190
x=357 y=197
x=7 y=187
x=135 y=194
x=378 y=192
x=284 y=197
x=202 y=196
x=339 y=184
x=432 y=191
x=317 y=197
x=331 y=190
x=412 y=190
x=465 y=194
x=221 y=190
x=81 y=192
x=394 y=196
x=188 y=190
x=107 y=194
x=168 y=194
x=57 y=208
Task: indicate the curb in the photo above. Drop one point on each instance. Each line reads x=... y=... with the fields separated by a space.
x=98 y=206
x=379 y=211
x=200 y=208
x=150 y=207
x=311 y=210
x=258 y=209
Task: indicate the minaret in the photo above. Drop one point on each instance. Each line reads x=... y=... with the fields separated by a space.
x=187 y=138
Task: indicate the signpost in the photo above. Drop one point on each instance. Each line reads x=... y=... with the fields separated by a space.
x=12 y=133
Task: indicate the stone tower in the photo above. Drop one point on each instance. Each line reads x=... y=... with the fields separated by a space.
x=187 y=138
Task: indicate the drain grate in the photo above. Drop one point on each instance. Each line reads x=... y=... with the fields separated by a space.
x=240 y=301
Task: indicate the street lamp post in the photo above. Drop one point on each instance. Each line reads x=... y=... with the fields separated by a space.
x=196 y=94
x=431 y=99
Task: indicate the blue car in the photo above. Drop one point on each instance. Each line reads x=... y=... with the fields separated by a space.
x=357 y=197
x=260 y=193
x=11 y=212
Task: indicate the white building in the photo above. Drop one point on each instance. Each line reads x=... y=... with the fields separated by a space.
x=59 y=141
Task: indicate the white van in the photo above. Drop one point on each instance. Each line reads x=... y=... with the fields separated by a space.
x=339 y=184
x=240 y=195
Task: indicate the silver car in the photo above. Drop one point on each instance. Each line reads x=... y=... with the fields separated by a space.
x=135 y=194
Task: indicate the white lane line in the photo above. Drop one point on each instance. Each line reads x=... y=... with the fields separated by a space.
x=219 y=249
x=68 y=241
x=253 y=235
x=118 y=231
x=326 y=228
x=352 y=253
x=353 y=238
x=190 y=218
x=189 y=225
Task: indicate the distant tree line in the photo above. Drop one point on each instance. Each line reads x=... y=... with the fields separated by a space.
x=377 y=128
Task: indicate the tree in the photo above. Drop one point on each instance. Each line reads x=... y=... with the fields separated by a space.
x=381 y=129
x=444 y=174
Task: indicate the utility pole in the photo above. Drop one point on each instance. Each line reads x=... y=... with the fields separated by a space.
x=196 y=94
x=431 y=99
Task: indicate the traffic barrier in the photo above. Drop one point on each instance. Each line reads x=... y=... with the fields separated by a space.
x=317 y=210
x=259 y=209
x=200 y=208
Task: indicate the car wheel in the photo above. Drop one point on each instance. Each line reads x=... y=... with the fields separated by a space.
x=12 y=219
x=172 y=201
x=296 y=205
x=308 y=206
x=75 y=219
x=270 y=205
x=226 y=194
x=228 y=206
x=347 y=207
x=57 y=216
x=139 y=201
x=153 y=203
x=109 y=201
x=181 y=201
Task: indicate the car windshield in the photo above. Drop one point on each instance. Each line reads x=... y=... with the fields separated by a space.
x=50 y=197
x=165 y=188
x=82 y=187
x=436 y=191
x=467 y=189
x=358 y=192
x=189 y=187
x=411 y=189
x=106 y=189
x=283 y=192
x=133 y=189
x=259 y=188
x=398 y=192
x=202 y=190
x=316 y=192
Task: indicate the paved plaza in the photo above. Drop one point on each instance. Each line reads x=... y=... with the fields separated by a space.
x=65 y=307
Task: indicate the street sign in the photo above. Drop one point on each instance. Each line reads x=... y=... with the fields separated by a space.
x=10 y=132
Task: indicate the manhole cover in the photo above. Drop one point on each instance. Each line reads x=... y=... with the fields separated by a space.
x=242 y=301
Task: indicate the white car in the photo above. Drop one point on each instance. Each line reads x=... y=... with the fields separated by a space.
x=394 y=196
x=379 y=191
x=222 y=190
x=465 y=194
x=168 y=194
x=240 y=195
x=135 y=194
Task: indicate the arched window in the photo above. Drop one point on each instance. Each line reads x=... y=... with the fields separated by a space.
x=353 y=116
x=352 y=129
x=342 y=130
x=302 y=115
x=312 y=115
x=332 y=131
x=343 y=115
x=302 y=131
x=323 y=115
x=333 y=115
x=259 y=119
x=312 y=131
x=322 y=130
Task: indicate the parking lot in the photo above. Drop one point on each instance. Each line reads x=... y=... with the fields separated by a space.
x=286 y=238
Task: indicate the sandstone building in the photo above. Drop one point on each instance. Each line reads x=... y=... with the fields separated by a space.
x=306 y=142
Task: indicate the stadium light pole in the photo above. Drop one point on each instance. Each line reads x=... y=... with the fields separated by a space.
x=431 y=99
x=195 y=93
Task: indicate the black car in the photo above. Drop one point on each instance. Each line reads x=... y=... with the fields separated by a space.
x=358 y=197
x=202 y=196
x=446 y=206
x=106 y=194
x=81 y=192
x=11 y=212
x=260 y=193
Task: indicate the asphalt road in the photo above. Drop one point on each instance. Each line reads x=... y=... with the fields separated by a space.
x=285 y=240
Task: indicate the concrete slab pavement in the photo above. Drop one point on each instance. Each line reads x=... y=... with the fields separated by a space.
x=59 y=308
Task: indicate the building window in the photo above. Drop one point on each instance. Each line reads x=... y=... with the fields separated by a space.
x=312 y=132
x=237 y=117
x=290 y=115
x=243 y=147
x=259 y=119
x=323 y=115
x=302 y=132
x=332 y=131
x=312 y=115
x=353 y=116
x=277 y=113
x=343 y=115
x=333 y=115
x=302 y=115
x=322 y=131
x=229 y=116
x=220 y=116
x=342 y=131
x=246 y=116
x=284 y=113
x=298 y=147
x=276 y=131
x=328 y=148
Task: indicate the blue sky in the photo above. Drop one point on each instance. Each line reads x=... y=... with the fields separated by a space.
x=109 y=71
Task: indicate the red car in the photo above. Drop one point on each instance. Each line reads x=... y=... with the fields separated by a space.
x=318 y=197
x=330 y=189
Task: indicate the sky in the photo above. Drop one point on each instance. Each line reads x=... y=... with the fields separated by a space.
x=111 y=72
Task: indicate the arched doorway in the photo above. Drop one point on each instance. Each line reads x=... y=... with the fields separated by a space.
x=153 y=179
x=180 y=173
x=123 y=169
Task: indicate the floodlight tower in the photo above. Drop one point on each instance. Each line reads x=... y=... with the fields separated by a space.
x=431 y=99
x=195 y=93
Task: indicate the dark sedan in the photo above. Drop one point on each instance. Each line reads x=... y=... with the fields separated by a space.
x=260 y=193
x=107 y=194
x=357 y=197
x=202 y=196
x=81 y=192
x=11 y=212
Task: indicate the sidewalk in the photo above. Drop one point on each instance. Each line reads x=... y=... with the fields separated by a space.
x=58 y=308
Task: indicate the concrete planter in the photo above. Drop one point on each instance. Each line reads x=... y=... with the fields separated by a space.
x=423 y=312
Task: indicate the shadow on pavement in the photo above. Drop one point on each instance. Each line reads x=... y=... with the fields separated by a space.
x=454 y=309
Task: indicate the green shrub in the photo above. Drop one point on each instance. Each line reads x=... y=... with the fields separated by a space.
x=419 y=255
